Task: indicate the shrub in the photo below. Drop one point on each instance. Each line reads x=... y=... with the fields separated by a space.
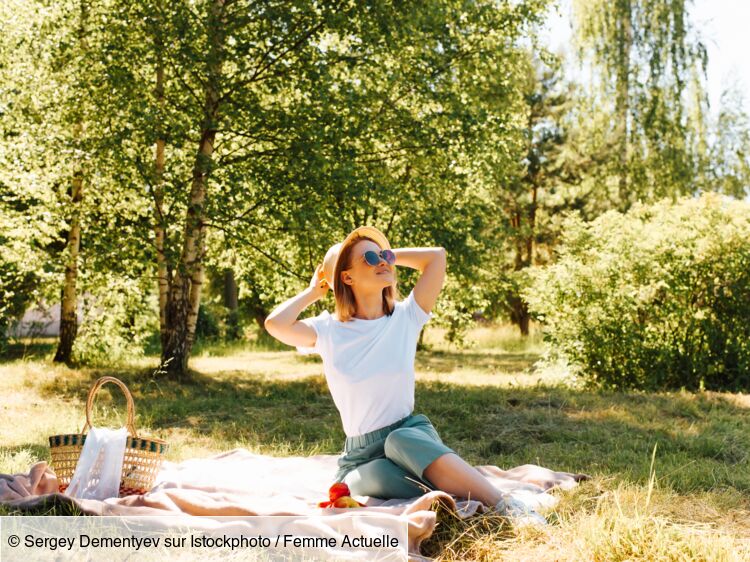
x=655 y=298
x=207 y=324
x=16 y=289
x=120 y=320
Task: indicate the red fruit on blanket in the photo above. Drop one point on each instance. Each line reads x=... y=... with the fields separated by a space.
x=338 y=490
x=340 y=496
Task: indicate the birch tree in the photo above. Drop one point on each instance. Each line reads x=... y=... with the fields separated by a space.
x=644 y=53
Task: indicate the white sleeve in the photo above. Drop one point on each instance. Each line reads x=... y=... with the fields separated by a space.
x=417 y=316
x=320 y=324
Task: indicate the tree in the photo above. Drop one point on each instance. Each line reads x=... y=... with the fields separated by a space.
x=729 y=153
x=644 y=52
x=308 y=122
x=542 y=170
x=41 y=144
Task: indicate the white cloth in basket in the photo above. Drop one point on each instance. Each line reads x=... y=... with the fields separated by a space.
x=99 y=468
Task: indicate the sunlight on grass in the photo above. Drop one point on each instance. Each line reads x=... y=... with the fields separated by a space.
x=498 y=337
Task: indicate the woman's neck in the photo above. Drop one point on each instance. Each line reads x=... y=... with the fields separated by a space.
x=369 y=307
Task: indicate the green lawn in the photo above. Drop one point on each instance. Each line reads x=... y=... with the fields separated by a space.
x=488 y=402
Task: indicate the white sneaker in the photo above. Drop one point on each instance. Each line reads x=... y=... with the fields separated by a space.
x=518 y=512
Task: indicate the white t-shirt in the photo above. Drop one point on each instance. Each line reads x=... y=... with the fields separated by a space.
x=369 y=364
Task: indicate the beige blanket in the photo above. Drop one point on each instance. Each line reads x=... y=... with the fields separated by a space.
x=240 y=483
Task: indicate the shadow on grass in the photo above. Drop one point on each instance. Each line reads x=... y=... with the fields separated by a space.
x=261 y=341
x=701 y=439
x=44 y=348
x=291 y=415
x=54 y=505
x=35 y=450
x=448 y=361
x=35 y=349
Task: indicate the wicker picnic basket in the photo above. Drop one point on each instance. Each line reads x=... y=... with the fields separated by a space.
x=141 y=461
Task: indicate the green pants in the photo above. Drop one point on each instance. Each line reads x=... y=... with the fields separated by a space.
x=390 y=462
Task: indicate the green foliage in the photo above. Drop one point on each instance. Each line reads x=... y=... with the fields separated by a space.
x=13 y=302
x=329 y=116
x=119 y=321
x=207 y=325
x=30 y=214
x=729 y=153
x=25 y=278
x=534 y=188
x=424 y=119
x=649 y=65
x=454 y=312
x=655 y=298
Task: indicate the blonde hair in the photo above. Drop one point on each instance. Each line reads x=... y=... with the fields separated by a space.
x=346 y=306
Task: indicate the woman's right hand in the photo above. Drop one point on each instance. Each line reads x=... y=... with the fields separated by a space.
x=318 y=284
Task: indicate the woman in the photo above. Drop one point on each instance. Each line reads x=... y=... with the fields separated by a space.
x=368 y=351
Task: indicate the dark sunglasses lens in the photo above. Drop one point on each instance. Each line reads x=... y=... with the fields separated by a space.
x=389 y=257
x=372 y=257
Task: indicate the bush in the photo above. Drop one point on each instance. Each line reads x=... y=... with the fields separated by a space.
x=207 y=325
x=120 y=320
x=15 y=291
x=656 y=298
x=18 y=288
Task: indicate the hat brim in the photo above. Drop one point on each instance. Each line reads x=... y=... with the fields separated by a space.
x=369 y=232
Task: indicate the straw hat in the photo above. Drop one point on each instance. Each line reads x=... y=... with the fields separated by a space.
x=332 y=255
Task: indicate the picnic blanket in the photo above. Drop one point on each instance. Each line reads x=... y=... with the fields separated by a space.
x=241 y=483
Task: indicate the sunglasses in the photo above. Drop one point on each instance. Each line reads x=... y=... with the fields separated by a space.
x=373 y=258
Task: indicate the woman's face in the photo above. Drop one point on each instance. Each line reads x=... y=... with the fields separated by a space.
x=361 y=276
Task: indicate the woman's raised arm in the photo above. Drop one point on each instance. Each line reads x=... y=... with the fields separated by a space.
x=431 y=262
x=282 y=323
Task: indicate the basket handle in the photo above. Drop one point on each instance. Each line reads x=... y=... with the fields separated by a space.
x=90 y=403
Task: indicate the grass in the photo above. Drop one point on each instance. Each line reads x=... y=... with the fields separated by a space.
x=670 y=471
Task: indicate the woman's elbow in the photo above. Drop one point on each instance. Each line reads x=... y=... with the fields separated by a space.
x=437 y=259
x=269 y=324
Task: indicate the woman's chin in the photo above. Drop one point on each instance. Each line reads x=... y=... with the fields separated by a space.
x=385 y=280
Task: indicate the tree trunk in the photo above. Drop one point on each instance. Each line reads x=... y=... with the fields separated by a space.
x=519 y=314
x=185 y=290
x=532 y=227
x=230 y=290
x=231 y=297
x=69 y=305
x=420 y=341
x=519 y=311
x=162 y=269
x=257 y=309
x=623 y=102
